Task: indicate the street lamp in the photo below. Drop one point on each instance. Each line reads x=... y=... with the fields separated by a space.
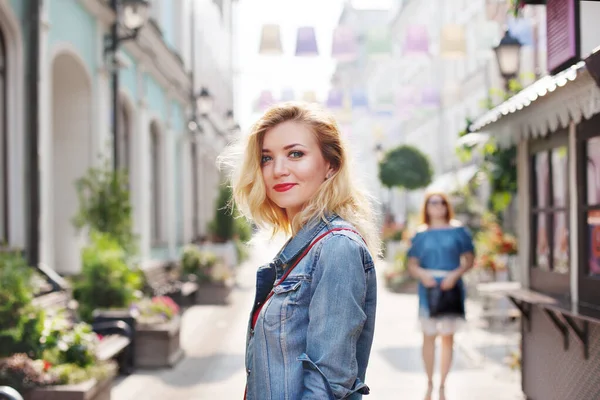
x=132 y=15
x=135 y=13
x=508 y=55
x=204 y=102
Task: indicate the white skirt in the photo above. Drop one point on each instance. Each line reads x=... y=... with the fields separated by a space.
x=441 y=326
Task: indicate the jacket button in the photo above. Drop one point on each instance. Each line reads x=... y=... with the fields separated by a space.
x=248 y=371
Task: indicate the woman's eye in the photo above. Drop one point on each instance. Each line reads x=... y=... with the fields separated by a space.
x=296 y=154
x=265 y=159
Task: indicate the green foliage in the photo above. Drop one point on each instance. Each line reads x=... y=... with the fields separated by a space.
x=196 y=262
x=405 y=167
x=15 y=292
x=105 y=206
x=20 y=324
x=106 y=280
x=222 y=226
x=64 y=343
x=242 y=228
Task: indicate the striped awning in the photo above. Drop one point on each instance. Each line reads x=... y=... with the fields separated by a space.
x=547 y=105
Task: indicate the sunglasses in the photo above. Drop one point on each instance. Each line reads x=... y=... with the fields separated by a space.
x=436 y=202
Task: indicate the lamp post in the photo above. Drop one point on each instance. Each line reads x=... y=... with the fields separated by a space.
x=508 y=56
x=202 y=104
x=132 y=15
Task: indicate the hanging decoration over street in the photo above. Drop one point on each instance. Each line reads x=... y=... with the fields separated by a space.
x=344 y=46
x=306 y=42
x=310 y=96
x=416 y=40
x=270 y=40
x=265 y=100
x=453 y=42
x=430 y=97
x=406 y=101
x=288 y=95
x=360 y=99
x=379 y=42
x=335 y=99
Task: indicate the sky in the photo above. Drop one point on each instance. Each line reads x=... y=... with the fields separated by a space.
x=255 y=72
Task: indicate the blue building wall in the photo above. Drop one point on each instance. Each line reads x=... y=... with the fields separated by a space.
x=70 y=22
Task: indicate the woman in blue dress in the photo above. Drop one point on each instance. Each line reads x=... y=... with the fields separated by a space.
x=441 y=252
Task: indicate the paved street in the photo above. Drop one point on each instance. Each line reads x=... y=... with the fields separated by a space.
x=213 y=338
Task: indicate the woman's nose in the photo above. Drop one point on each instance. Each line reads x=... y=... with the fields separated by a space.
x=280 y=167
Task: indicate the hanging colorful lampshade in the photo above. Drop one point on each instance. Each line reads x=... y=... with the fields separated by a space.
x=335 y=99
x=359 y=99
x=344 y=46
x=288 y=95
x=379 y=42
x=310 y=96
x=270 y=40
x=306 y=42
x=522 y=29
x=453 y=41
x=416 y=40
x=430 y=97
x=265 y=100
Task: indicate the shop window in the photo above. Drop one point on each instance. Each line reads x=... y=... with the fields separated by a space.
x=588 y=162
x=550 y=255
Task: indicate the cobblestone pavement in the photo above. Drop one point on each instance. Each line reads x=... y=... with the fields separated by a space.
x=213 y=338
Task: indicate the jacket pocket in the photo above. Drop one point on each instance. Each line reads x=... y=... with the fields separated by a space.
x=284 y=302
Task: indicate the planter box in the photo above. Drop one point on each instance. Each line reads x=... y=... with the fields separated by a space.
x=213 y=293
x=90 y=390
x=158 y=346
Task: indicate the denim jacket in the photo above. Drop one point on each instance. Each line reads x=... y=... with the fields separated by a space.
x=313 y=337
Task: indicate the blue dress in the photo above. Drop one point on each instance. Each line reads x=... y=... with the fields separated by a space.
x=439 y=250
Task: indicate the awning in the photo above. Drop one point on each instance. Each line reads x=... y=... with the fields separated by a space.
x=451 y=181
x=547 y=105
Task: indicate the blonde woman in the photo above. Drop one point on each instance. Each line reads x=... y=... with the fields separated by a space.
x=441 y=252
x=312 y=322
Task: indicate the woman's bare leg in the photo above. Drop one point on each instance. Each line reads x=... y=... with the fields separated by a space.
x=446 y=360
x=428 y=360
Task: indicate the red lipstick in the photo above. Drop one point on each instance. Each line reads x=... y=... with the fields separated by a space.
x=283 y=187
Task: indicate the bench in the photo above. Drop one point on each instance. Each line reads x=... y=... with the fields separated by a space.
x=117 y=337
x=163 y=279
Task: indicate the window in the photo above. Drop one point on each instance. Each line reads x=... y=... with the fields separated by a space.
x=550 y=215
x=156 y=183
x=3 y=145
x=588 y=177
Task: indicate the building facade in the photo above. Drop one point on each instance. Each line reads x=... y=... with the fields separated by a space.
x=74 y=121
x=555 y=124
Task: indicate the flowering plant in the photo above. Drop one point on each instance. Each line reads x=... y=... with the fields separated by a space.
x=157 y=310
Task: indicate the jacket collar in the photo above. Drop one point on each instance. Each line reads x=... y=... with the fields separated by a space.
x=303 y=239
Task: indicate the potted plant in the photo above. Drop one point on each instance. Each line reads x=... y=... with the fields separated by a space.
x=157 y=333
x=214 y=277
x=106 y=282
x=45 y=358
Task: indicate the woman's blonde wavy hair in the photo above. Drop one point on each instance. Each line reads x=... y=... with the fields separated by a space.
x=339 y=194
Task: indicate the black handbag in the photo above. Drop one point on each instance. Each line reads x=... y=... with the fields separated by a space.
x=443 y=303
